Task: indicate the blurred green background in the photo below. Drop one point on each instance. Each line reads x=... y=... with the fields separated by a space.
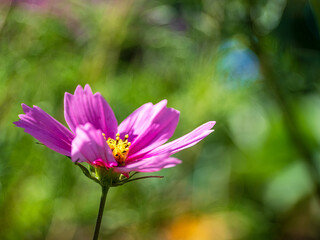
x=253 y=66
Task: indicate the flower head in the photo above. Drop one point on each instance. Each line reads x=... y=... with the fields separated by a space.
x=137 y=144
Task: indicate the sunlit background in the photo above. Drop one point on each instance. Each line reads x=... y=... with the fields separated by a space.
x=253 y=66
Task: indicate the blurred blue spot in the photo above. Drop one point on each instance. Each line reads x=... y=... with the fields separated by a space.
x=238 y=65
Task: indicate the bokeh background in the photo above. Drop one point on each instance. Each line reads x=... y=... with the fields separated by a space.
x=253 y=66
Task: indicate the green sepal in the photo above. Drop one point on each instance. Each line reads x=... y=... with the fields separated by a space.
x=108 y=177
x=86 y=172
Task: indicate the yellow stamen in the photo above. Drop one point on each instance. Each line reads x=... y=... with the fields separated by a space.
x=119 y=147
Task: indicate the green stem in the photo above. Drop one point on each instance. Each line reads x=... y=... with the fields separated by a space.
x=105 y=190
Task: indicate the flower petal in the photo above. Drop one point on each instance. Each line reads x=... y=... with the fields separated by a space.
x=131 y=124
x=46 y=129
x=84 y=107
x=185 y=141
x=148 y=127
x=90 y=146
x=151 y=164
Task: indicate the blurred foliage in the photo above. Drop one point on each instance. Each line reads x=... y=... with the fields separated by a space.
x=253 y=66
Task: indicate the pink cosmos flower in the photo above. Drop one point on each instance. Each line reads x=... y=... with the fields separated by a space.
x=137 y=144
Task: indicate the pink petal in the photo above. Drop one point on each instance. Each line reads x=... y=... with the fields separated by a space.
x=130 y=124
x=90 y=146
x=151 y=164
x=84 y=107
x=185 y=141
x=46 y=129
x=148 y=127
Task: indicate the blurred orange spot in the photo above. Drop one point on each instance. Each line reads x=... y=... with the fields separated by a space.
x=189 y=227
x=216 y=226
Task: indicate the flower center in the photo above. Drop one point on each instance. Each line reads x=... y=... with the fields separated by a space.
x=119 y=147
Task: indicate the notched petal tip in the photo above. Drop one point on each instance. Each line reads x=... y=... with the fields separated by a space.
x=78 y=90
x=185 y=141
x=84 y=107
x=66 y=94
x=46 y=129
x=212 y=123
x=163 y=102
x=87 y=88
x=25 y=108
x=149 y=126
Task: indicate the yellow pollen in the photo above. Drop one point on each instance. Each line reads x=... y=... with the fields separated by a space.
x=119 y=147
